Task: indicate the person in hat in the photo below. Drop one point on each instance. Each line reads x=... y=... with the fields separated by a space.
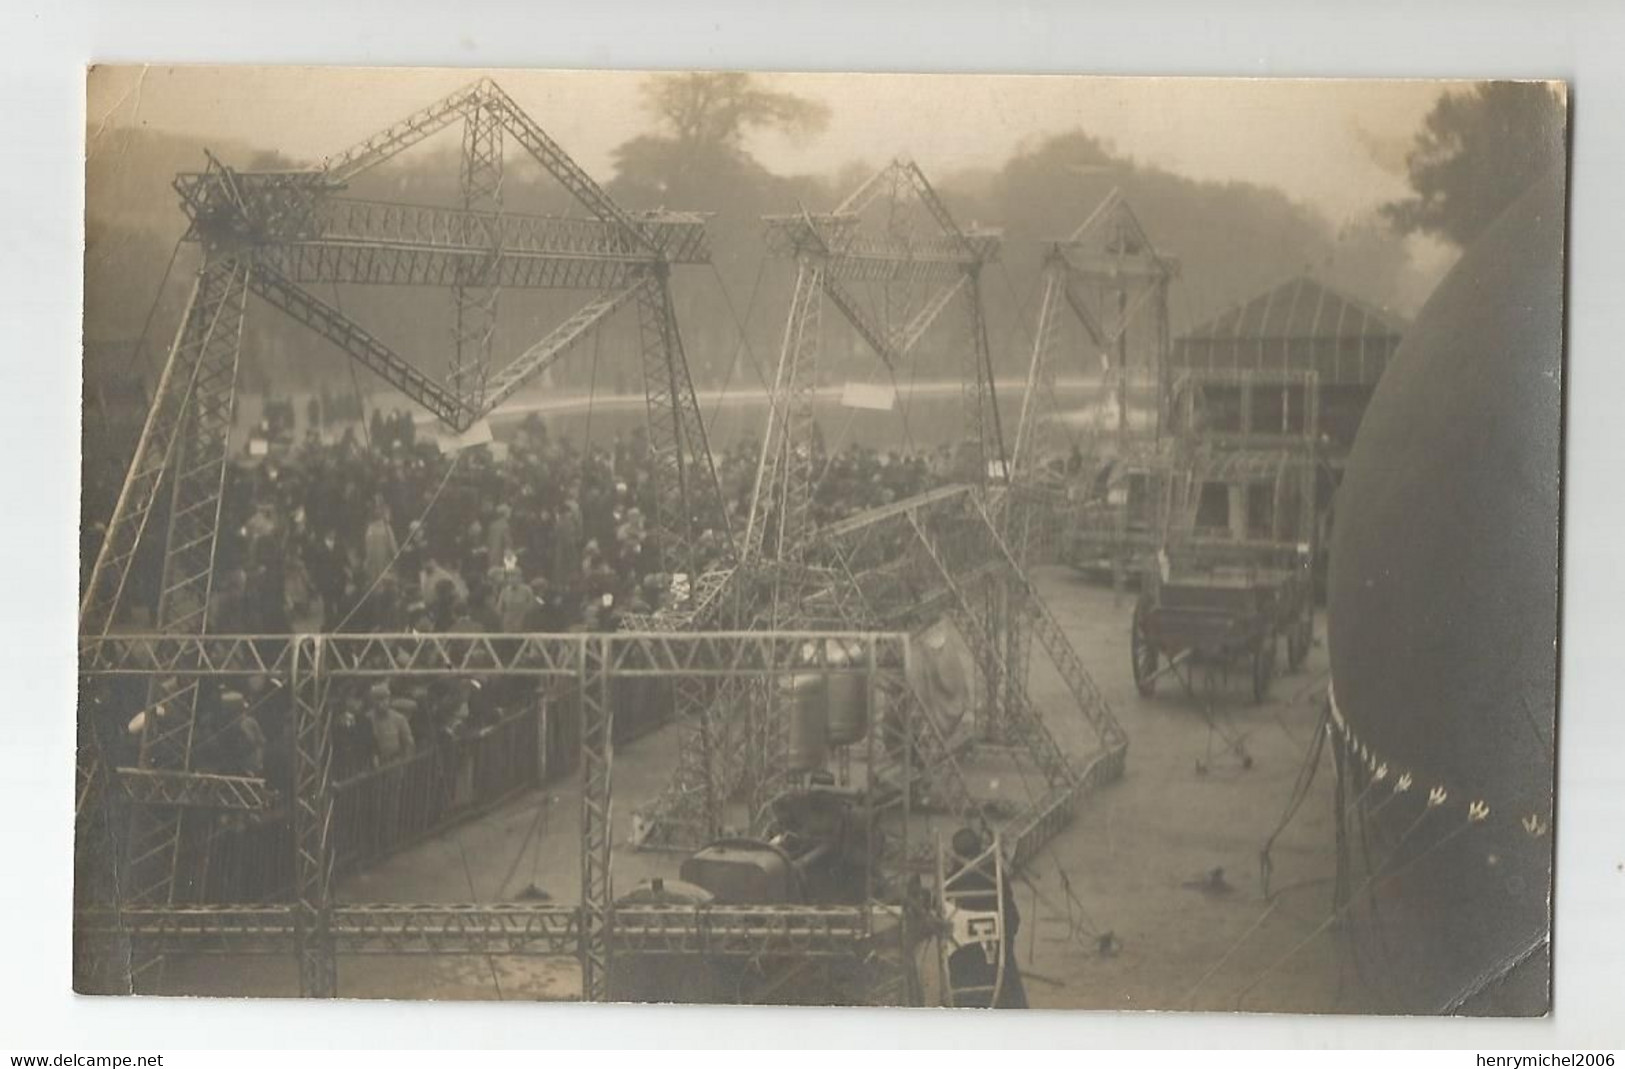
x=391 y=732
x=378 y=547
x=244 y=738
x=329 y=569
x=499 y=536
x=352 y=738
x=968 y=966
x=514 y=600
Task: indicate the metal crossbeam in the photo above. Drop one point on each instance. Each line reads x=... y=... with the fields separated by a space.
x=499 y=929
x=1091 y=702
x=549 y=350
x=871 y=332
x=200 y=790
x=312 y=820
x=781 y=494
x=302 y=306
x=196 y=474
x=558 y=163
x=1044 y=821
x=898 y=511
x=475 y=298
x=597 y=768
x=404 y=134
x=688 y=494
x=206 y=323
x=274 y=233
x=632 y=653
x=229 y=211
x=1021 y=718
x=1034 y=430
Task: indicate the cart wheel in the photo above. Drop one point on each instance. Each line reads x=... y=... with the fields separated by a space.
x=1263 y=668
x=1298 y=643
x=1144 y=653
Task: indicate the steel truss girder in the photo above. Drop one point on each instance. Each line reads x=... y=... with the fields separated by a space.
x=333 y=262
x=895 y=513
x=679 y=237
x=861 y=268
x=783 y=475
x=870 y=331
x=876 y=259
x=283 y=293
x=209 y=325
x=196 y=471
x=547 y=152
x=688 y=494
x=631 y=653
x=312 y=819
x=475 y=299
x=500 y=929
x=1016 y=716
x=313 y=662
x=550 y=349
x=981 y=393
x=403 y=135
x=1038 y=403
x=229 y=211
x=297 y=233
x=198 y=790
x=872 y=547
x=1043 y=821
x=486 y=95
x=597 y=767
x=1091 y=702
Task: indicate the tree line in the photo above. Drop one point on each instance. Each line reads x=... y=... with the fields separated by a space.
x=1477 y=149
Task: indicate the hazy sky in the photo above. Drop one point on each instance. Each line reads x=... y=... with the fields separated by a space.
x=1337 y=145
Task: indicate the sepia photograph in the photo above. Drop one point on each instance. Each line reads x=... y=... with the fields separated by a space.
x=820 y=539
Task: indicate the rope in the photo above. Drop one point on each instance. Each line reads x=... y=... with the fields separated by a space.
x=1300 y=792
x=468 y=875
x=1371 y=883
x=741 y=327
x=152 y=310
x=592 y=401
x=355 y=383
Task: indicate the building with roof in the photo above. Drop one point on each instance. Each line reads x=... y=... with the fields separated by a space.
x=1301 y=325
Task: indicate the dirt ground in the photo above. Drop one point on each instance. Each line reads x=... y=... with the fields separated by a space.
x=1133 y=864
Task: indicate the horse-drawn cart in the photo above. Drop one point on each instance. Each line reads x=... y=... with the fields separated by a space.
x=1232 y=583
x=1221 y=618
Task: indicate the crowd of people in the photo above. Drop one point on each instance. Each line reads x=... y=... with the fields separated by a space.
x=375 y=529
x=383 y=532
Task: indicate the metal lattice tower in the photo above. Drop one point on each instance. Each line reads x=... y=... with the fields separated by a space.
x=1115 y=283
x=277 y=235
x=474 y=303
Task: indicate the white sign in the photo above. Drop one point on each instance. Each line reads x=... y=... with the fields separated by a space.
x=478 y=434
x=872 y=396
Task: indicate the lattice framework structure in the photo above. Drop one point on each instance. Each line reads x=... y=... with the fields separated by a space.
x=318 y=930
x=276 y=235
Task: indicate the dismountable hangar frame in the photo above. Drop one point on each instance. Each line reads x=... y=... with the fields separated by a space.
x=317 y=930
